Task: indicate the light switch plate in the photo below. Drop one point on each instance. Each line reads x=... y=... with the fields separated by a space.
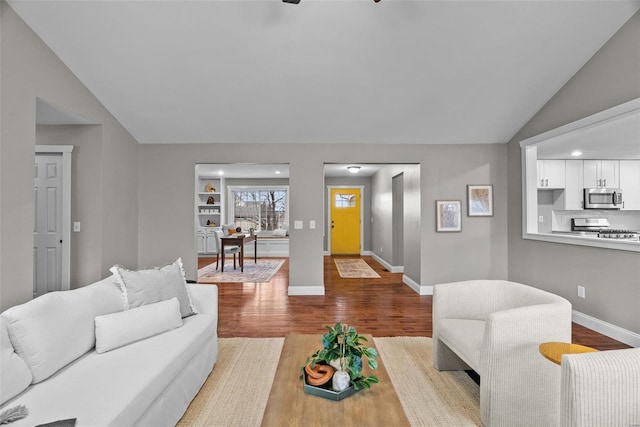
x=76 y=226
x=312 y=224
x=297 y=225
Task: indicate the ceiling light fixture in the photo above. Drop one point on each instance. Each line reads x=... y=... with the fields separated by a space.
x=353 y=169
x=576 y=153
x=298 y=1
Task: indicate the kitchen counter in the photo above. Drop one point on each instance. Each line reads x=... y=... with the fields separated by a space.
x=567 y=237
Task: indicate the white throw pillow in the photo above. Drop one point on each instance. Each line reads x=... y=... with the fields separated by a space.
x=153 y=285
x=53 y=330
x=119 y=329
x=280 y=232
x=15 y=376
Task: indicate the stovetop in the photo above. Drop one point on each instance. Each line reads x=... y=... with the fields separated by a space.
x=599 y=227
x=618 y=234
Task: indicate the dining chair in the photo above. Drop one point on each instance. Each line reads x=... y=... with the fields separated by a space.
x=228 y=250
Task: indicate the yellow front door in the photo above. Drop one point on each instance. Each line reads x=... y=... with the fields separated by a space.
x=345 y=221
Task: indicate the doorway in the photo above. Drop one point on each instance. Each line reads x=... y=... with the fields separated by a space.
x=52 y=228
x=345 y=220
x=397 y=219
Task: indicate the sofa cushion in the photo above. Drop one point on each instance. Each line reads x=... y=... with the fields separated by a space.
x=54 y=329
x=153 y=285
x=15 y=376
x=117 y=329
x=464 y=337
x=117 y=387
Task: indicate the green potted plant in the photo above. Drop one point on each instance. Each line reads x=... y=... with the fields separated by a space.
x=343 y=349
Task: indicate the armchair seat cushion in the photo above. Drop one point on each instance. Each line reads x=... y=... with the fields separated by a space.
x=465 y=338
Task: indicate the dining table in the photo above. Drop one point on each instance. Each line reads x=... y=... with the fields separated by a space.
x=239 y=239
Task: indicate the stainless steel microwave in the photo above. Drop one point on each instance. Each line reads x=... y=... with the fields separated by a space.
x=602 y=198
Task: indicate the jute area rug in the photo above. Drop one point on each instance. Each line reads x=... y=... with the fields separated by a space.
x=260 y=272
x=355 y=268
x=236 y=392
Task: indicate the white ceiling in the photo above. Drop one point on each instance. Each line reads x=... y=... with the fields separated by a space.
x=615 y=139
x=263 y=71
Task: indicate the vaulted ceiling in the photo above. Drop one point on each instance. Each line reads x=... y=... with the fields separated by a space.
x=341 y=71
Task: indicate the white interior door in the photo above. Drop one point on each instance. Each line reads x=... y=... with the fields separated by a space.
x=47 y=232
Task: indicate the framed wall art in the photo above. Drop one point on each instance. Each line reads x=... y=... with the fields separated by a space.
x=448 y=216
x=480 y=200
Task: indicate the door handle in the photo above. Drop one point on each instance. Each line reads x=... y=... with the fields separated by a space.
x=604 y=182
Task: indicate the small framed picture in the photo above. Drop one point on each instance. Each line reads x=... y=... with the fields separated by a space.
x=480 y=200
x=448 y=216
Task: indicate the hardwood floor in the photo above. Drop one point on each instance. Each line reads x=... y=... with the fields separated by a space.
x=380 y=307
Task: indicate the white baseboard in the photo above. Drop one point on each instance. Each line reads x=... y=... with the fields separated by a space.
x=608 y=329
x=306 y=290
x=417 y=287
x=385 y=264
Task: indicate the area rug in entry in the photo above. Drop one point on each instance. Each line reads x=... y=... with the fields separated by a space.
x=355 y=268
x=236 y=392
x=260 y=272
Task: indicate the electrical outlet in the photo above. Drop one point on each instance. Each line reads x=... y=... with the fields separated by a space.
x=540 y=218
x=581 y=291
x=76 y=226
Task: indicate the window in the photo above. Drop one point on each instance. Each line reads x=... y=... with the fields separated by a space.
x=260 y=208
x=345 y=200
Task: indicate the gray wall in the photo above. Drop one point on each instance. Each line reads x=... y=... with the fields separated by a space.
x=30 y=70
x=166 y=223
x=611 y=277
x=480 y=250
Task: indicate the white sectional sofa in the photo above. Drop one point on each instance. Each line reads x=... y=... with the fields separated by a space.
x=96 y=355
x=495 y=327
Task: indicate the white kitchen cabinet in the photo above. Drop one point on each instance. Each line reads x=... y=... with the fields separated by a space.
x=551 y=174
x=630 y=184
x=211 y=244
x=574 y=185
x=201 y=241
x=205 y=238
x=601 y=173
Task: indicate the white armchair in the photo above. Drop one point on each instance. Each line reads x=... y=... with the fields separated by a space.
x=601 y=389
x=495 y=327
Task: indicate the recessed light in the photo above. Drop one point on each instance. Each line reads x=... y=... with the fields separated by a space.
x=220 y=172
x=576 y=153
x=277 y=172
x=353 y=169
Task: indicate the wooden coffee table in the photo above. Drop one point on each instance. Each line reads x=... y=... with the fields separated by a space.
x=289 y=405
